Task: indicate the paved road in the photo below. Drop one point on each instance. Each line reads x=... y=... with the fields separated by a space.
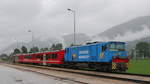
x=13 y=76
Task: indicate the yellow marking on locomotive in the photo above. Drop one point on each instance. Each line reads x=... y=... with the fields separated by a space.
x=127 y=65
x=114 y=65
x=102 y=55
x=74 y=56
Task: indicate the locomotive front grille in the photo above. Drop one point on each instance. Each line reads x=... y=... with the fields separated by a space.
x=114 y=66
x=119 y=66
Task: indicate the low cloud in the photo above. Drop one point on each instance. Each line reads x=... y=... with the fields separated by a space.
x=49 y=18
x=129 y=36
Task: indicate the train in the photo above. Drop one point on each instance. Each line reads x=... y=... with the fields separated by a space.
x=101 y=56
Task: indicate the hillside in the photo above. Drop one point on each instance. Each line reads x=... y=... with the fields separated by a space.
x=130 y=27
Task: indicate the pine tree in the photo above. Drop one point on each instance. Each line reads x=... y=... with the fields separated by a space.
x=34 y=49
x=24 y=49
x=58 y=46
x=52 y=47
x=44 y=49
x=142 y=49
x=17 y=51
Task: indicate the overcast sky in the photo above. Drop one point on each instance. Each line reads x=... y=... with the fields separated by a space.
x=50 y=18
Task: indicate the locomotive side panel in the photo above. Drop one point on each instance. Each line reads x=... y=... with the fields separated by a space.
x=102 y=56
x=87 y=53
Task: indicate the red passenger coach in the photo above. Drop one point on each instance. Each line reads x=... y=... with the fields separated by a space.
x=55 y=57
x=20 y=58
x=42 y=58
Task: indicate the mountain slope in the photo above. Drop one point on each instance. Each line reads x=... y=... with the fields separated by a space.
x=132 y=26
x=132 y=44
x=80 y=39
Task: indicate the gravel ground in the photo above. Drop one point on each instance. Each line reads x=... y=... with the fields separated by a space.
x=74 y=77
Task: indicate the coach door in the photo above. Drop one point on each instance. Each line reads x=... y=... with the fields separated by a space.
x=101 y=52
x=44 y=59
x=93 y=53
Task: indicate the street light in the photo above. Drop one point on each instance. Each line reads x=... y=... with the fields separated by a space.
x=16 y=41
x=32 y=37
x=74 y=14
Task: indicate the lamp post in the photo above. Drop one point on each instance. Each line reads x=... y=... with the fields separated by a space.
x=74 y=15
x=134 y=53
x=32 y=37
x=16 y=42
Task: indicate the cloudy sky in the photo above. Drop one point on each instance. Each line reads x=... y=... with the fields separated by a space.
x=50 y=18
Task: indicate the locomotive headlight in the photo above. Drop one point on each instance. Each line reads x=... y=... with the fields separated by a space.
x=114 y=57
x=116 y=54
x=128 y=57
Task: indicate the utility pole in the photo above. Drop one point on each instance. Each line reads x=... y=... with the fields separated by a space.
x=17 y=42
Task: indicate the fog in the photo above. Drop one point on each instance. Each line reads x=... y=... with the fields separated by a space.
x=50 y=18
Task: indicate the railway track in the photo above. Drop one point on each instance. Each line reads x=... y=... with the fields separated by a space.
x=132 y=74
x=135 y=78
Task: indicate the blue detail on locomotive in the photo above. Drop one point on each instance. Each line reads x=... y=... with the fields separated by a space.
x=97 y=52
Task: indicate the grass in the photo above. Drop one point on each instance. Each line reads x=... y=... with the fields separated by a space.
x=139 y=66
x=4 y=60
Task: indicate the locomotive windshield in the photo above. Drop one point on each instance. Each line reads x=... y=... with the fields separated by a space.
x=117 y=46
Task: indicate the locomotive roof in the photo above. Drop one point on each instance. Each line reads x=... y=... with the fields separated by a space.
x=93 y=43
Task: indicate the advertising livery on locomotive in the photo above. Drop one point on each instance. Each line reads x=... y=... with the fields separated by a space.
x=102 y=56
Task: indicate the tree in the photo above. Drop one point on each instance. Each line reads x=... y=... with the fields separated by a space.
x=4 y=56
x=24 y=49
x=44 y=49
x=34 y=49
x=17 y=51
x=72 y=45
x=58 y=46
x=142 y=49
x=52 y=47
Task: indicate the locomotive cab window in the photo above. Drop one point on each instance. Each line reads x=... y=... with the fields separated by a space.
x=117 y=47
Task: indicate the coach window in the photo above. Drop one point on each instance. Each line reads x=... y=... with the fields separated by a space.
x=27 y=57
x=54 y=56
x=40 y=57
x=16 y=57
x=50 y=56
x=47 y=56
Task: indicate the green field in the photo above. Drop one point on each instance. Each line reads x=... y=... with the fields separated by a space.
x=139 y=66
